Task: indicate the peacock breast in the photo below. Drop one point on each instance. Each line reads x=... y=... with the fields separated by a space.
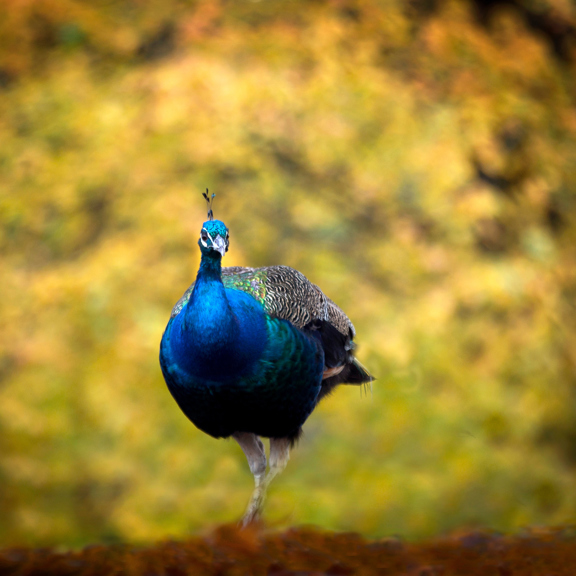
x=222 y=348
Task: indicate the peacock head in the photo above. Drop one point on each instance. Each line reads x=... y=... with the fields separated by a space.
x=214 y=238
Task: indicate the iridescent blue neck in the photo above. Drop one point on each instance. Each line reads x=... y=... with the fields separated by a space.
x=220 y=333
x=210 y=267
x=208 y=312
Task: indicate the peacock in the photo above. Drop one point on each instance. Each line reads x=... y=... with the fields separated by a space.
x=249 y=352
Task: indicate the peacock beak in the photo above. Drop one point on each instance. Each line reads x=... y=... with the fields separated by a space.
x=219 y=244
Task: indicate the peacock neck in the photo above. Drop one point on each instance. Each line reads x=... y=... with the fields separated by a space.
x=210 y=268
x=220 y=333
x=208 y=311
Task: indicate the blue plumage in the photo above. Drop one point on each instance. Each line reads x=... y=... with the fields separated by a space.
x=249 y=353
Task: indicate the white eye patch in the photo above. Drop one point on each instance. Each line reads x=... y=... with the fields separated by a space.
x=203 y=242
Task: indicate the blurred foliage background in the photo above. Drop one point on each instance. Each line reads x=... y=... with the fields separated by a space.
x=417 y=160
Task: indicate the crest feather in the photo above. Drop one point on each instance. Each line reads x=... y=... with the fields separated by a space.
x=209 y=200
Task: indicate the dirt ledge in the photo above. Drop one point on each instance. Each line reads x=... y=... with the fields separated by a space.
x=228 y=551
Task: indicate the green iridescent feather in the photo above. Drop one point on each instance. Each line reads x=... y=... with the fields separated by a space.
x=252 y=282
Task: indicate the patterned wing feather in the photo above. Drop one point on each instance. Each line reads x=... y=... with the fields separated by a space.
x=288 y=294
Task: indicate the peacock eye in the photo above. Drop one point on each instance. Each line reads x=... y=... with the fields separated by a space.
x=227 y=234
x=204 y=235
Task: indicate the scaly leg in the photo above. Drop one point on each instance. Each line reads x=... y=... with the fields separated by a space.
x=254 y=449
x=279 y=456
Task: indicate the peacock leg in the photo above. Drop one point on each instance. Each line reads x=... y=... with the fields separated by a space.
x=279 y=456
x=254 y=450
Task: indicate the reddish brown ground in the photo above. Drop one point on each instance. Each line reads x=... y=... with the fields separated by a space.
x=307 y=552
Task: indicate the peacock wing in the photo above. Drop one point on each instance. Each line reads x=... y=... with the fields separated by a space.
x=286 y=293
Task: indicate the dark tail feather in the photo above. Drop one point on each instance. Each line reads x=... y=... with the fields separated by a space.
x=353 y=373
x=357 y=374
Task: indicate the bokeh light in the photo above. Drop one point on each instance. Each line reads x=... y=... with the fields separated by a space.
x=415 y=160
